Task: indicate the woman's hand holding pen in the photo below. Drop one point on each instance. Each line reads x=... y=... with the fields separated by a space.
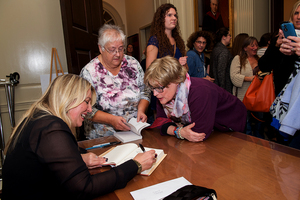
x=190 y=135
x=146 y=159
x=92 y=160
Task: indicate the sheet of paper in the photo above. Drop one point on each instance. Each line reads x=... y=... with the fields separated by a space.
x=160 y=190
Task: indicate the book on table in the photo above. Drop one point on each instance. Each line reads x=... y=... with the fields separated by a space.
x=134 y=133
x=122 y=153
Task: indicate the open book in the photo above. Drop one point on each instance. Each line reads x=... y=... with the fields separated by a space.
x=134 y=133
x=121 y=153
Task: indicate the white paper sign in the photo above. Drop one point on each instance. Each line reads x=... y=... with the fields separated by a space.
x=160 y=190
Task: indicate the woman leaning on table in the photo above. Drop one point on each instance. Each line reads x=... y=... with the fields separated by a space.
x=42 y=155
x=189 y=107
x=118 y=81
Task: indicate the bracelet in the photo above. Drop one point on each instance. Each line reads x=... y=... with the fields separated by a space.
x=176 y=132
x=180 y=134
x=139 y=166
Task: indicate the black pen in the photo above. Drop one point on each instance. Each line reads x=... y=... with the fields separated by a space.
x=142 y=147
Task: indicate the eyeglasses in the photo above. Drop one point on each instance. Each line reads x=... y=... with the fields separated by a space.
x=200 y=42
x=157 y=89
x=115 y=51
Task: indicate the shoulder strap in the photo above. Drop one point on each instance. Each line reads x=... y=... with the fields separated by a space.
x=174 y=49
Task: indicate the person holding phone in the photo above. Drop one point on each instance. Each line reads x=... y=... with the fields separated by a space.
x=281 y=62
x=280 y=58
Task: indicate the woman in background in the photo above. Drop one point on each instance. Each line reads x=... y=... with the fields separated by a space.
x=237 y=43
x=129 y=50
x=198 y=64
x=165 y=36
x=164 y=40
x=242 y=67
x=263 y=43
x=220 y=60
x=282 y=64
x=242 y=71
x=42 y=156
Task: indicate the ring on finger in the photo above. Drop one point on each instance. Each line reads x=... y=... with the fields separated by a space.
x=293 y=49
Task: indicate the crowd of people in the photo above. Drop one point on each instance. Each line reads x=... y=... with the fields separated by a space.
x=189 y=94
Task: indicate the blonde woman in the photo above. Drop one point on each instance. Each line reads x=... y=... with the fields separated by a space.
x=42 y=155
x=191 y=107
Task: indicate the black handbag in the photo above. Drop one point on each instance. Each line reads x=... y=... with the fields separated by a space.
x=192 y=192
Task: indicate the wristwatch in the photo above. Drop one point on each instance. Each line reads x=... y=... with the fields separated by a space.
x=139 y=166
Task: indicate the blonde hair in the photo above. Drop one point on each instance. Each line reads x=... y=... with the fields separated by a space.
x=164 y=71
x=296 y=5
x=64 y=93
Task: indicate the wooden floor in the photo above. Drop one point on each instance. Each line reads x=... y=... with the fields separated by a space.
x=236 y=165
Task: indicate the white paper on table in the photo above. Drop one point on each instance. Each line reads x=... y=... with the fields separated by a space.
x=160 y=190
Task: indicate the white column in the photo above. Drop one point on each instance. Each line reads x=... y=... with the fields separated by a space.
x=243 y=17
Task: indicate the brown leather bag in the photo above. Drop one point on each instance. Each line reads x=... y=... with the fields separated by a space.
x=260 y=94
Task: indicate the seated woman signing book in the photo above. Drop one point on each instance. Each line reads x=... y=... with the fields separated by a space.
x=42 y=156
x=189 y=107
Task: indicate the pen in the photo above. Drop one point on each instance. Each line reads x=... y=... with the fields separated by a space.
x=103 y=145
x=142 y=147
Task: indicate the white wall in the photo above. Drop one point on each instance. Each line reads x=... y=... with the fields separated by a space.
x=261 y=18
x=29 y=30
x=119 y=5
x=139 y=13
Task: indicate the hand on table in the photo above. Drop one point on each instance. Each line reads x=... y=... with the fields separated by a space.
x=92 y=160
x=190 y=135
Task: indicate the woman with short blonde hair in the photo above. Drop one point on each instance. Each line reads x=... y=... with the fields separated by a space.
x=190 y=107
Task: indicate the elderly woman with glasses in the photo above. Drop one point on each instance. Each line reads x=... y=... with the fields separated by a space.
x=118 y=81
x=189 y=107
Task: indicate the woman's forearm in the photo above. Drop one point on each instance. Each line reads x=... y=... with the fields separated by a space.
x=143 y=105
x=102 y=117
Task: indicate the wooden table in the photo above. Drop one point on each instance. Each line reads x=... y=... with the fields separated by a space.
x=236 y=165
